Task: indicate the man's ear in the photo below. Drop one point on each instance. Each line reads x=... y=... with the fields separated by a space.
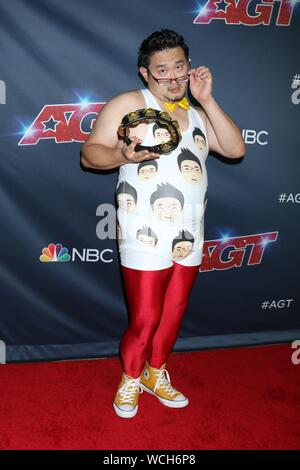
x=144 y=73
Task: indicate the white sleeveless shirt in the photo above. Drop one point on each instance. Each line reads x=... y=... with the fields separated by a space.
x=161 y=202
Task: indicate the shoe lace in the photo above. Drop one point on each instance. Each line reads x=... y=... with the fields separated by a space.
x=129 y=389
x=164 y=382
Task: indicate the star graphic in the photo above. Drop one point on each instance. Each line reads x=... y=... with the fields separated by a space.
x=222 y=5
x=51 y=124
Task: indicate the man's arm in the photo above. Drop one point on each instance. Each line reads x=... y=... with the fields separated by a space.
x=103 y=150
x=224 y=137
x=101 y=157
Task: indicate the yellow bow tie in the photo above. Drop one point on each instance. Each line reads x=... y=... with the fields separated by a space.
x=171 y=105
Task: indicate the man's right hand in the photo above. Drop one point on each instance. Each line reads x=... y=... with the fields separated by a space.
x=131 y=156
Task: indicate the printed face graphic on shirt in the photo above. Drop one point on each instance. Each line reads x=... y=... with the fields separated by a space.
x=126 y=202
x=191 y=171
x=200 y=142
x=167 y=208
x=182 y=249
x=161 y=134
x=147 y=170
x=126 y=196
x=189 y=166
x=182 y=245
x=167 y=202
x=147 y=240
x=147 y=236
x=199 y=138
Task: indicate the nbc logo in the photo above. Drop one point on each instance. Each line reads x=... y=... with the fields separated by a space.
x=54 y=252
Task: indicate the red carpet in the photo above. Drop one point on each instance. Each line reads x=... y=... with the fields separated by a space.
x=247 y=398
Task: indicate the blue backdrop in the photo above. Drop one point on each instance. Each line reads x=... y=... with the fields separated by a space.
x=60 y=61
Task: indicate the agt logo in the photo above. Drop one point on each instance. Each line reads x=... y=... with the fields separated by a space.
x=246 y=12
x=55 y=252
x=62 y=122
x=227 y=253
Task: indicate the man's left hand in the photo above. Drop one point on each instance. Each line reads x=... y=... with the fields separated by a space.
x=201 y=83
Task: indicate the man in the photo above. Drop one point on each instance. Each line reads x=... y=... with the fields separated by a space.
x=157 y=280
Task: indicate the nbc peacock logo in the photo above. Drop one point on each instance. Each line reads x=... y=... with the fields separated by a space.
x=54 y=252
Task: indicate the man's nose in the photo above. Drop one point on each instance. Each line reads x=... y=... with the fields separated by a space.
x=173 y=75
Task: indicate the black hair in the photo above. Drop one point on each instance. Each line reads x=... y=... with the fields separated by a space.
x=198 y=131
x=147 y=231
x=158 y=126
x=159 y=41
x=186 y=154
x=166 y=190
x=126 y=188
x=146 y=163
x=183 y=236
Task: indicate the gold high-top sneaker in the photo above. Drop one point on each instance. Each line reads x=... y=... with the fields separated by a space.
x=126 y=399
x=157 y=382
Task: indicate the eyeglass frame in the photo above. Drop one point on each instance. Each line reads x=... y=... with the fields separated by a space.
x=170 y=80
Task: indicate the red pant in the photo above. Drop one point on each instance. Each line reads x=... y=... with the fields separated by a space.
x=157 y=301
